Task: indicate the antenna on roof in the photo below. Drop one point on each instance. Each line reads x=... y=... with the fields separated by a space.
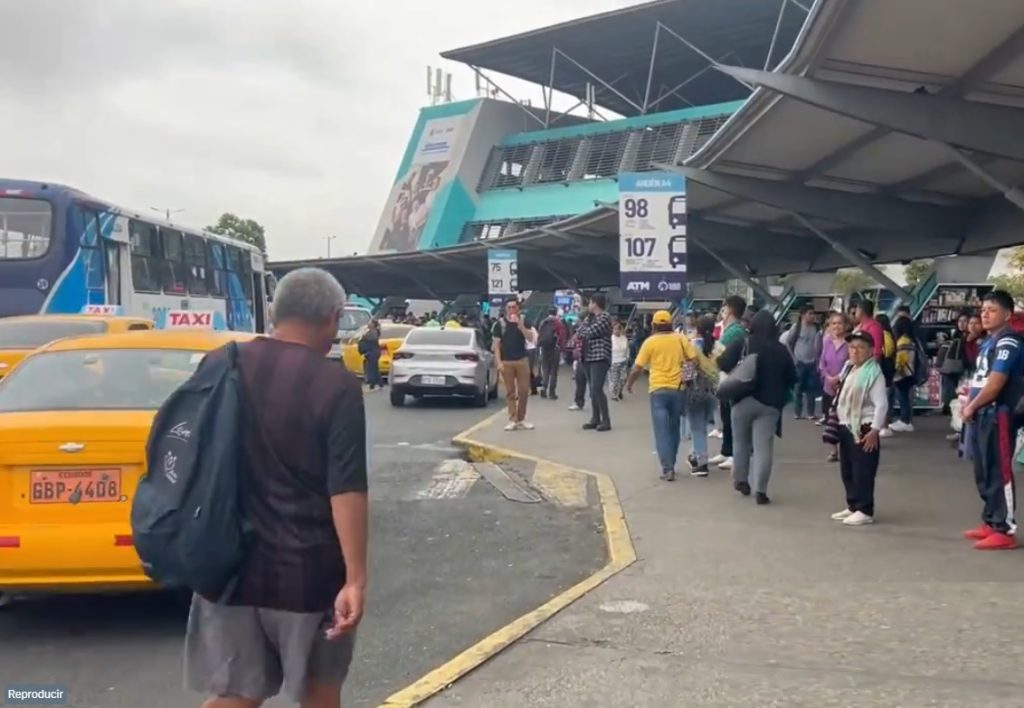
x=439 y=86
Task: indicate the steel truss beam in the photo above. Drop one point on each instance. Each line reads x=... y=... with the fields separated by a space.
x=854 y=257
x=976 y=126
x=868 y=210
x=736 y=272
x=752 y=239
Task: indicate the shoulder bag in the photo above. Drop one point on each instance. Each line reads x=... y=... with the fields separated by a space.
x=741 y=381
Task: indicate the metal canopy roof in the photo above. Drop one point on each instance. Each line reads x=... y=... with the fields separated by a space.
x=616 y=48
x=582 y=252
x=864 y=130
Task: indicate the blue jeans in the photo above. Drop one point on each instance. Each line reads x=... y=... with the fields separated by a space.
x=700 y=418
x=905 y=396
x=666 y=412
x=808 y=383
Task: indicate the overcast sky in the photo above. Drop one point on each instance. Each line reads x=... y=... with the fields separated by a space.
x=294 y=113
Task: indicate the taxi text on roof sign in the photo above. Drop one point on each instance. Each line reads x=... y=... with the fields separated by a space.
x=189 y=319
x=102 y=310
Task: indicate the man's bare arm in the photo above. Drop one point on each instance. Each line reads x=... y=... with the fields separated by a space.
x=350 y=512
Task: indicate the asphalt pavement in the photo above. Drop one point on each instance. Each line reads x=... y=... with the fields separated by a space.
x=452 y=560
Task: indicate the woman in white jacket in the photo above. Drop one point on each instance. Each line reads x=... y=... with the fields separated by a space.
x=861 y=408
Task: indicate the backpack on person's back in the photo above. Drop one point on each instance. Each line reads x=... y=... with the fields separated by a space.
x=547 y=335
x=188 y=524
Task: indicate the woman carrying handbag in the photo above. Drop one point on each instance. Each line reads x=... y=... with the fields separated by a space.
x=760 y=381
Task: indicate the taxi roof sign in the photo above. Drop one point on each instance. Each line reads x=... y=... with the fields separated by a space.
x=102 y=310
x=189 y=319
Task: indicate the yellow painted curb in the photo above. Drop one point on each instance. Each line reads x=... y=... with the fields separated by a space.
x=621 y=555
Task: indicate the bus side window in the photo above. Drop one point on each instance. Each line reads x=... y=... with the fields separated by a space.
x=172 y=267
x=145 y=245
x=195 y=265
x=216 y=274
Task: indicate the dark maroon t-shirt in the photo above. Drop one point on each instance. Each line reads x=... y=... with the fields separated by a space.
x=303 y=441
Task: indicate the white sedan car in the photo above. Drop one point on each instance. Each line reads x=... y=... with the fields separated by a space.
x=443 y=362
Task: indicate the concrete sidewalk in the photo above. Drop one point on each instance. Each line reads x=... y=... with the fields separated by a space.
x=731 y=604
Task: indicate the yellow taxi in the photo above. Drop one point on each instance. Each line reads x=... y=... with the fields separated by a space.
x=392 y=335
x=20 y=335
x=74 y=419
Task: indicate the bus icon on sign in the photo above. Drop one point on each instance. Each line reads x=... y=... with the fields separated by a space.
x=677 y=251
x=677 y=212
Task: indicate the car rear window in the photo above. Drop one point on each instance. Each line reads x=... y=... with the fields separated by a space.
x=32 y=334
x=440 y=337
x=100 y=379
x=394 y=331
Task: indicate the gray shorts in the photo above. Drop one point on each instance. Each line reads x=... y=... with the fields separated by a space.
x=250 y=652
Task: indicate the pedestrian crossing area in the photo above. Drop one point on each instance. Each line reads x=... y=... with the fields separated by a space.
x=542 y=482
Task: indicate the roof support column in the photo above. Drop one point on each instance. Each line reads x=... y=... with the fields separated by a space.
x=855 y=258
x=1013 y=194
x=650 y=68
x=736 y=272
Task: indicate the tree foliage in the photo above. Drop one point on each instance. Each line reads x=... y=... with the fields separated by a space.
x=242 y=229
x=916 y=271
x=850 y=280
x=1013 y=281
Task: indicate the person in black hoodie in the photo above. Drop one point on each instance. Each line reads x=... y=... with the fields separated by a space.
x=756 y=419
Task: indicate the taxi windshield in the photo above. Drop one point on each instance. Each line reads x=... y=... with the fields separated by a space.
x=99 y=379
x=32 y=334
x=351 y=320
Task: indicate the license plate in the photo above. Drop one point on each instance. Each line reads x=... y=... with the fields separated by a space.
x=434 y=380
x=75 y=486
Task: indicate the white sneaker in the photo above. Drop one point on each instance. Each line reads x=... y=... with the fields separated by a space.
x=717 y=460
x=842 y=515
x=901 y=427
x=858 y=518
x=523 y=425
x=726 y=464
x=885 y=433
x=574 y=407
x=715 y=433
x=512 y=426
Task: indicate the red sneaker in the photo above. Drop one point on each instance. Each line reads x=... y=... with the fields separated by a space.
x=996 y=541
x=981 y=532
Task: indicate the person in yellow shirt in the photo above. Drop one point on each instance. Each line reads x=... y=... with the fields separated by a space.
x=664 y=354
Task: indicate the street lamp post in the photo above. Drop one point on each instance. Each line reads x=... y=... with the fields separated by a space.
x=328 y=239
x=167 y=212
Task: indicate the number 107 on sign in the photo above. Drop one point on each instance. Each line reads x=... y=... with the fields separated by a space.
x=640 y=246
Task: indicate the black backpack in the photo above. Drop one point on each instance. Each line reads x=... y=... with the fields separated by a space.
x=187 y=519
x=547 y=337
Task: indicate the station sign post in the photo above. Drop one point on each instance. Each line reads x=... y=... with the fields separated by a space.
x=502 y=275
x=652 y=235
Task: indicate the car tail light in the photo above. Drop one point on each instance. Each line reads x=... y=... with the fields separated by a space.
x=401 y=355
x=467 y=357
x=123 y=540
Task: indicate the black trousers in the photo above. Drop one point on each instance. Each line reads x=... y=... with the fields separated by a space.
x=858 y=469
x=994 y=440
x=580 y=377
x=597 y=374
x=549 y=362
x=726 y=412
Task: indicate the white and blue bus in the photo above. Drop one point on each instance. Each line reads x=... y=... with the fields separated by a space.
x=63 y=251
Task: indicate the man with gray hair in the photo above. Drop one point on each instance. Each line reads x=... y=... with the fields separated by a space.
x=292 y=618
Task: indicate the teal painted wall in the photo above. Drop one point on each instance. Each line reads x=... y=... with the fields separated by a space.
x=544 y=200
x=453 y=207
x=444 y=110
x=654 y=119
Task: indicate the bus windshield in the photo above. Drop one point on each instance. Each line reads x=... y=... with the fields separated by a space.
x=25 y=226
